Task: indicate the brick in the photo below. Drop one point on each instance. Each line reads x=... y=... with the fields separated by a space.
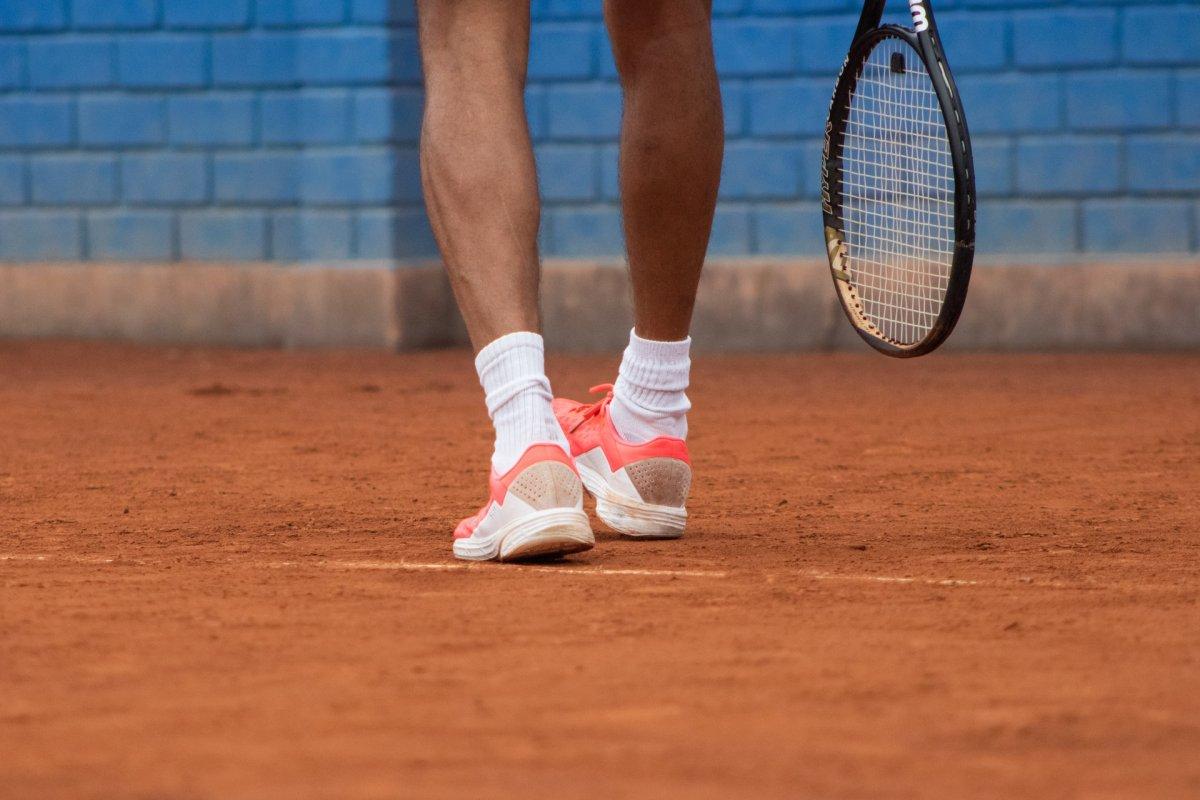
x=797 y=107
x=311 y=235
x=1137 y=226
x=1119 y=101
x=565 y=9
x=579 y=232
x=396 y=12
x=23 y=16
x=356 y=178
x=83 y=180
x=822 y=45
x=583 y=112
x=975 y=41
x=1161 y=35
x=27 y=122
x=254 y=59
x=71 y=62
x=13 y=177
x=602 y=55
x=407 y=178
x=12 y=64
x=165 y=179
x=223 y=235
x=995 y=166
x=257 y=178
x=405 y=58
x=1187 y=100
x=755 y=47
x=734 y=99
x=394 y=234
x=175 y=61
x=209 y=14
x=306 y=117
x=812 y=158
x=788 y=229
x=114 y=14
x=787 y=7
x=210 y=120
x=567 y=172
x=127 y=235
x=610 y=174
x=289 y=13
x=1066 y=38
x=1166 y=163
x=730 y=232
x=759 y=170
x=1024 y=226
x=40 y=236
x=562 y=52
x=1068 y=165
x=344 y=57
x=1012 y=103
x=387 y=115
x=119 y=121
x=535 y=112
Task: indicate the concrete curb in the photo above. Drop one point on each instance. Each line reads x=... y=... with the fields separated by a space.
x=743 y=305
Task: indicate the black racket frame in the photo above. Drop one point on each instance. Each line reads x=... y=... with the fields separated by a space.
x=928 y=46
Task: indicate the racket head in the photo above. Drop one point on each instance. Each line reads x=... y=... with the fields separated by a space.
x=898 y=192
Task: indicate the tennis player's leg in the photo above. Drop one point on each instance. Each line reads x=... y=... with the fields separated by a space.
x=630 y=447
x=480 y=185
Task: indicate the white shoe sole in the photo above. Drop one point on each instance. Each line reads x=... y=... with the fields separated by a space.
x=540 y=534
x=630 y=516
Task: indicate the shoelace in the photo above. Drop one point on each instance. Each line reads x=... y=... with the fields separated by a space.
x=587 y=412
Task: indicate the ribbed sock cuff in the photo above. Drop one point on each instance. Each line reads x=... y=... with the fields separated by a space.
x=650 y=393
x=517 y=392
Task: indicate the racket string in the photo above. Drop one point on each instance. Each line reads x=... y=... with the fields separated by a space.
x=897 y=194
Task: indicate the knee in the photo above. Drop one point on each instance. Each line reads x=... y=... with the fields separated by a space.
x=679 y=26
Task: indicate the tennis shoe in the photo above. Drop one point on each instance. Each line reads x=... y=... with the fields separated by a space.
x=535 y=510
x=640 y=489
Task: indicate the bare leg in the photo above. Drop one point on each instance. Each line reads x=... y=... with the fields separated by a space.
x=477 y=166
x=672 y=141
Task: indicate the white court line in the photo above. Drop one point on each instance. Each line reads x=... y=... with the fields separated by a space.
x=829 y=576
x=567 y=569
x=406 y=566
x=72 y=559
x=413 y=566
x=409 y=566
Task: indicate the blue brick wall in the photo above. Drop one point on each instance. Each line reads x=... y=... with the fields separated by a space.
x=209 y=129
x=1085 y=116
x=287 y=129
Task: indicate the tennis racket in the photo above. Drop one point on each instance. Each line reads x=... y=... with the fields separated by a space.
x=898 y=186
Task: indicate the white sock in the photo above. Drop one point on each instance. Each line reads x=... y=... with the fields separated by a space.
x=512 y=371
x=649 y=397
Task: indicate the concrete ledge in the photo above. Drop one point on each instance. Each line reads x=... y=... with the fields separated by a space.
x=236 y=304
x=743 y=305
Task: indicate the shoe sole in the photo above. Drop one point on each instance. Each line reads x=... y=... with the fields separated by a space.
x=542 y=534
x=629 y=516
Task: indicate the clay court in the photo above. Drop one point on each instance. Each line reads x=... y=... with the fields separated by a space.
x=227 y=574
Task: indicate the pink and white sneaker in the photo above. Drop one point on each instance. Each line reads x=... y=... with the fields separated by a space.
x=535 y=510
x=640 y=489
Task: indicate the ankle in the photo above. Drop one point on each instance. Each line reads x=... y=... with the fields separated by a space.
x=649 y=397
x=512 y=372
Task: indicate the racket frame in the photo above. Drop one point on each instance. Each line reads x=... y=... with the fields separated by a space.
x=928 y=47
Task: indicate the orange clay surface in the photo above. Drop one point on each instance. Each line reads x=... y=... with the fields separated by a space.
x=227 y=574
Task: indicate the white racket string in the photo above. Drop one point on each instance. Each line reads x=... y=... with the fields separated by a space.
x=897 y=194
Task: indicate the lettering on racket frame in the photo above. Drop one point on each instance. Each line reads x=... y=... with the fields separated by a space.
x=919 y=15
